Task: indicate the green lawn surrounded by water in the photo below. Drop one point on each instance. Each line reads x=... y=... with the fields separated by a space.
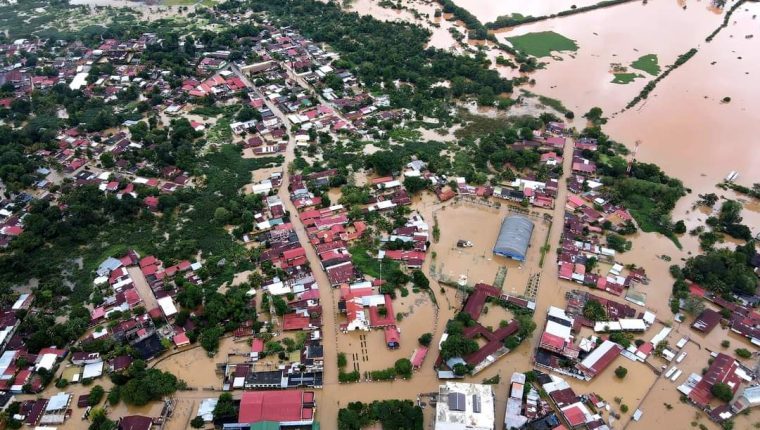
x=625 y=78
x=542 y=44
x=647 y=63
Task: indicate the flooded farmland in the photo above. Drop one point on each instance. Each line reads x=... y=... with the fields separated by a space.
x=489 y=10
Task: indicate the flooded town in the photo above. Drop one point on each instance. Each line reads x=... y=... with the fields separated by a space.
x=379 y=214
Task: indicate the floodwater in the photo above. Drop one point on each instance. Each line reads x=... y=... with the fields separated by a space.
x=489 y=10
x=582 y=79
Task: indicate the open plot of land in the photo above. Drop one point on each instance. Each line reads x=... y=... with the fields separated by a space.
x=542 y=43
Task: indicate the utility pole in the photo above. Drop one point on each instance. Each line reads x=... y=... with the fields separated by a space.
x=632 y=158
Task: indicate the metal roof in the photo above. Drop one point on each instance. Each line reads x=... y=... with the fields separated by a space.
x=514 y=237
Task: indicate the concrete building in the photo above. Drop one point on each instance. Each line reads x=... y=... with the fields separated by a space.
x=464 y=406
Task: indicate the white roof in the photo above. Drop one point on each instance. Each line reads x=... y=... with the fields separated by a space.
x=598 y=353
x=557 y=329
x=661 y=335
x=278 y=289
x=649 y=317
x=58 y=402
x=167 y=306
x=465 y=406
x=206 y=409
x=92 y=370
x=20 y=302
x=5 y=361
x=79 y=81
x=558 y=313
x=46 y=362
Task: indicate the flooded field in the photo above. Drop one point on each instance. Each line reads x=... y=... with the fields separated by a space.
x=489 y=10
x=619 y=34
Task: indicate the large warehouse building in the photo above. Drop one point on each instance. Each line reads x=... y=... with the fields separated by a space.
x=514 y=237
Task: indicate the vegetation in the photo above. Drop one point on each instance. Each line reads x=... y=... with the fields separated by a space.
x=594 y=311
x=683 y=58
x=225 y=411
x=620 y=372
x=647 y=63
x=141 y=385
x=542 y=44
x=624 y=78
x=743 y=353
x=722 y=391
x=425 y=339
x=726 y=20
x=382 y=52
x=723 y=271
x=391 y=414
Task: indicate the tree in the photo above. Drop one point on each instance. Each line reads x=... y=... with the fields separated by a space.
x=425 y=339
x=342 y=362
x=96 y=395
x=221 y=215
x=725 y=344
x=693 y=305
x=403 y=368
x=99 y=420
x=679 y=227
x=210 y=338
x=384 y=162
x=618 y=243
x=743 y=353
x=722 y=391
x=224 y=411
x=106 y=160
x=197 y=422
x=415 y=184
x=595 y=115
x=620 y=372
x=420 y=280
x=594 y=311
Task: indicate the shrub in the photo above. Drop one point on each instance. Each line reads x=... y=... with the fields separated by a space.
x=722 y=391
x=623 y=408
x=425 y=339
x=725 y=344
x=743 y=353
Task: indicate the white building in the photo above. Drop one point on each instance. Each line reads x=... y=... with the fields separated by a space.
x=464 y=406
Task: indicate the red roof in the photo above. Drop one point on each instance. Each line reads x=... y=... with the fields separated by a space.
x=696 y=290
x=278 y=406
x=295 y=322
x=257 y=345
x=550 y=340
x=377 y=320
x=181 y=339
x=419 y=356
x=574 y=416
x=392 y=336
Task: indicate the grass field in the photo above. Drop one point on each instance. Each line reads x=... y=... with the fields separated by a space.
x=647 y=63
x=625 y=78
x=542 y=44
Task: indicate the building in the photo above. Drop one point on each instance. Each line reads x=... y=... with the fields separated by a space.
x=723 y=369
x=600 y=358
x=513 y=417
x=289 y=408
x=514 y=237
x=135 y=422
x=749 y=398
x=464 y=406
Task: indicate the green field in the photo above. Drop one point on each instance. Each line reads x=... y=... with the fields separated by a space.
x=625 y=78
x=542 y=44
x=647 y=63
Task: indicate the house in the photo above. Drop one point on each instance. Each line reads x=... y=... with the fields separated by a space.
x=135 y=422
x=464 y=406
x=600 y=358
x=288 y=408
x=706 y=321
x=724 y=370
x=82 y=358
